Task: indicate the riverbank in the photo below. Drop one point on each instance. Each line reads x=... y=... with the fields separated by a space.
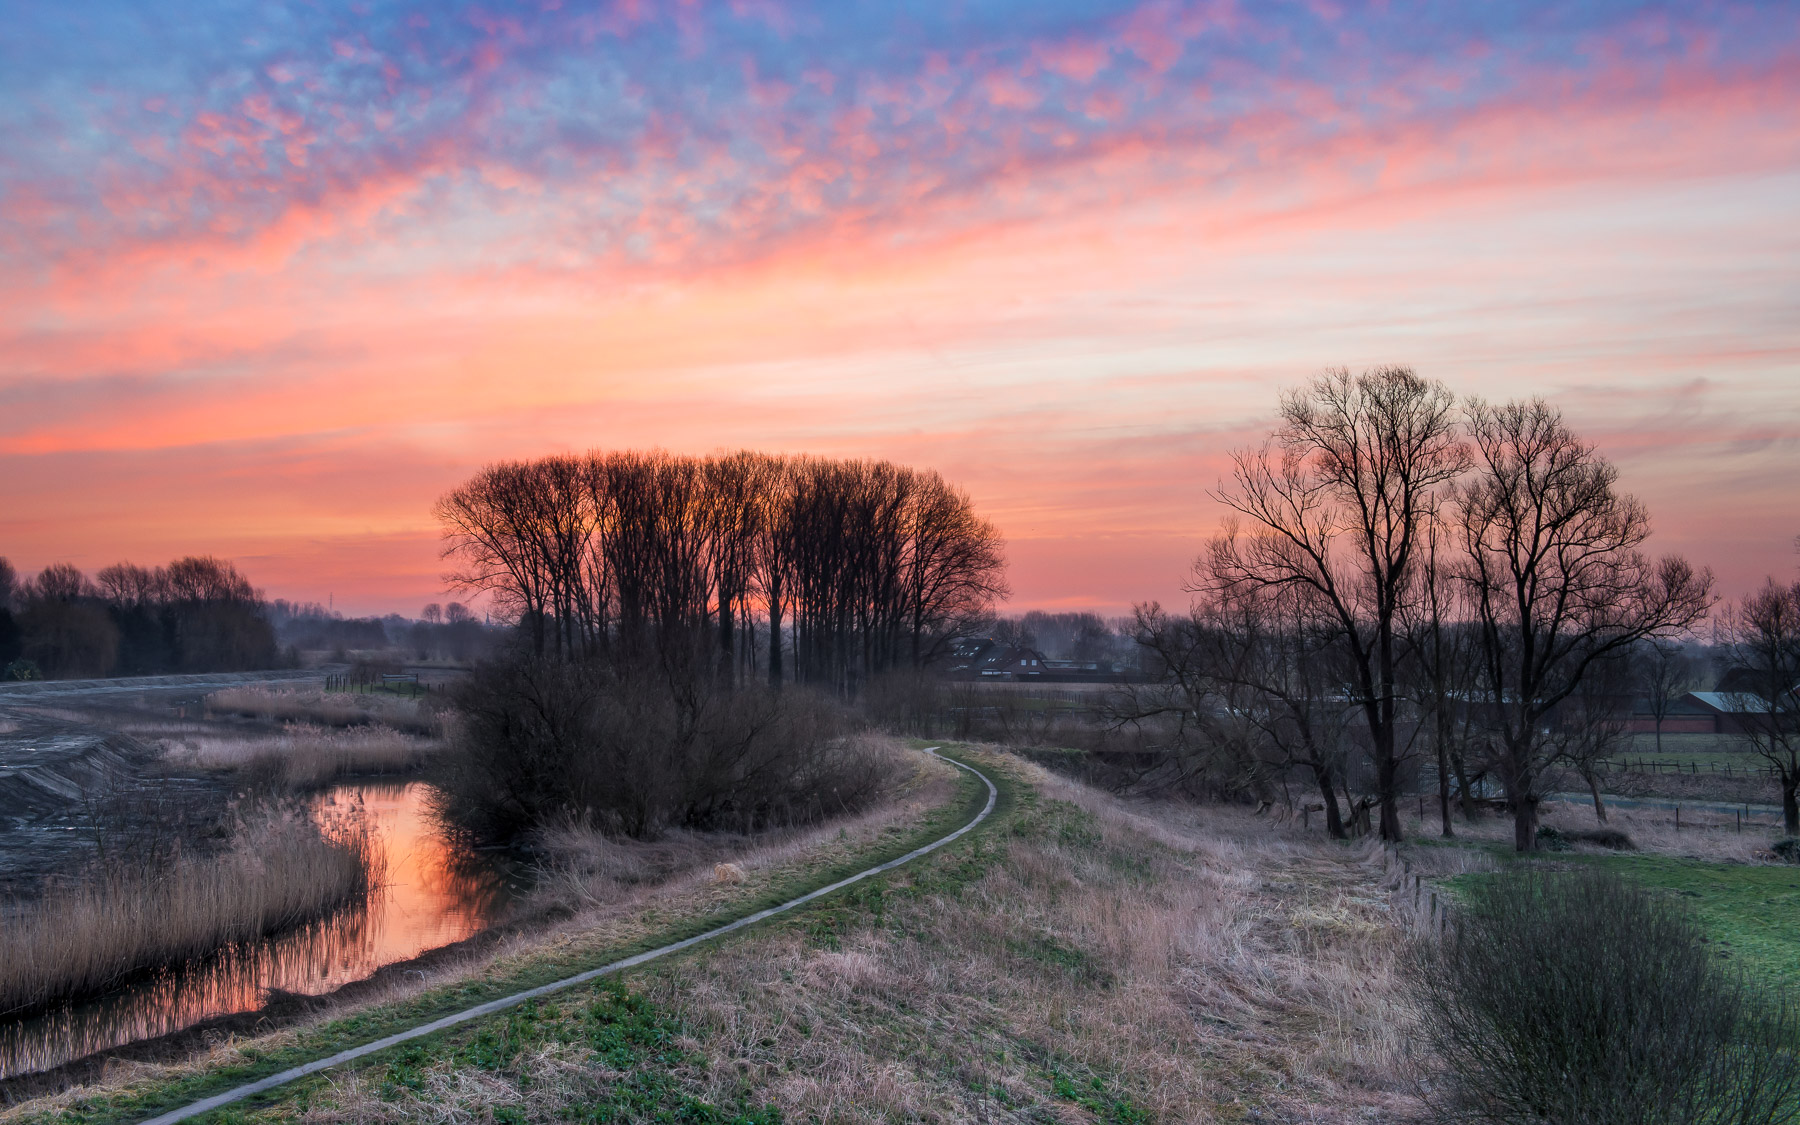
x=1075 y=958
x=528 y=953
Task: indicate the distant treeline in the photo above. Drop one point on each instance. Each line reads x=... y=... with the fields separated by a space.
x=197 y=614
x=821 y=571
x=442 y=632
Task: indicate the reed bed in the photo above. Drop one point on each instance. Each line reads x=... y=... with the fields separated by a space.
x=123 y=920
x=329 y=709
x=304 y=755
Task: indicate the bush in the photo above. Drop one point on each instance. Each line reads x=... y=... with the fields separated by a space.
x=1576 y=998
x=1612 y=838
x=1787 y=849
x=541 y=743
x=1552 y=839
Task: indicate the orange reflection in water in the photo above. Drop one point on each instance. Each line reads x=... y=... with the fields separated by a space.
x=432 y=895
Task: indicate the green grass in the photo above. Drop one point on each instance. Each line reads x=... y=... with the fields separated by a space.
x=542 y=967
x=1751 y=912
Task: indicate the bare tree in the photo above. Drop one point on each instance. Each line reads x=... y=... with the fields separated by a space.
x=1555 y=583
x=1338 y=500
x=1763 y=634
x=9 y=582
x=1443 y=647
x=1285 y=677
x=1199 y=711
x=649 y=557
x=1664 y=673
x=1591 y=725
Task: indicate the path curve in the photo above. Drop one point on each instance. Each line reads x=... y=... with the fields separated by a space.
x=282 y=1078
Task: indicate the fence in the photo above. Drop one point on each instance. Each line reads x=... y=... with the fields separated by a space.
x=1422 y=907
x=1693 y=768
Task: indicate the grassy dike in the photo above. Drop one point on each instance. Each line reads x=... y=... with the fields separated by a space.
x=618 y=1026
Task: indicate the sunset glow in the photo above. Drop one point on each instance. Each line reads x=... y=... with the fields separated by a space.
x=273 y=279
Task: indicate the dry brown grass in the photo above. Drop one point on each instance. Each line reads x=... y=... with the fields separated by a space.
x=79 y=939
x=1708 y=836
x=1182 y=964
x=331 y=709
x=302 y=755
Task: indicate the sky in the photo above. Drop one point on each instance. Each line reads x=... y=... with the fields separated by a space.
x=274 y=277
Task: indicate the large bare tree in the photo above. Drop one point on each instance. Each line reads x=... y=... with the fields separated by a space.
x=1337 y=501
x=1555 y=582
x=1763 y=635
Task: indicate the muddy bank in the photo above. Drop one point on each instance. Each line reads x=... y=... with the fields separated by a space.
x=70 y=790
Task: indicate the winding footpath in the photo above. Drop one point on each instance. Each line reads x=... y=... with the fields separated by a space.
x=251 y=1089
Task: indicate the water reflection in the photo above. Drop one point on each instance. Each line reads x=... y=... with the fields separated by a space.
x=433 y=894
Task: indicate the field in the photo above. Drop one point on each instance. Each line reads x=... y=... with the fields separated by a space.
x=1744 y=897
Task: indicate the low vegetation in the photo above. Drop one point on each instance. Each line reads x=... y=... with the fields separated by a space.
x=544 y=742
x=415 y=715
x=137 y=913
x=304 y=756
x=1579 y=998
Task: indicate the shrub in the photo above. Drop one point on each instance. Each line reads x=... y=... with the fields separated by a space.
x=1576 y=998
x=542 y=742
x=1612 y=838
x=1552 y=839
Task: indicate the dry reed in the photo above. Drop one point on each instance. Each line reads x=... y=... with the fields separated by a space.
x=304 y=755
x=332 y=709
x=80 y=939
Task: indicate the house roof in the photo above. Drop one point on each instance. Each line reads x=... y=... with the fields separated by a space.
x=1731 y=702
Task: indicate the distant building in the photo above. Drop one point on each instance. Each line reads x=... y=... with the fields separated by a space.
x=983 y=658
x=1686 y=715
x=1727 y=709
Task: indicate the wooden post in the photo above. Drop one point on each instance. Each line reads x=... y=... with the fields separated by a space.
x=1677 y=818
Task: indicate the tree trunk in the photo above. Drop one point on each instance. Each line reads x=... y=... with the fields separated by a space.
x=727 y=641
x=1525 y=824
x=1790 y=803
x=775 y=634
x=1463 y=792
x=1594 y=790
x=1386 y=771
x=1443 y=772
x=1334 y=818
x=1659 y=734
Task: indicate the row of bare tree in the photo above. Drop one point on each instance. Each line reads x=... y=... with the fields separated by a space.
x=198 y=614
x=845 y=568
x=1429 y=575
